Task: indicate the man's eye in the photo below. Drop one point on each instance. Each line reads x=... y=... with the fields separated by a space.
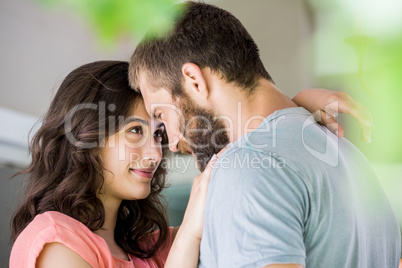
x=158 y=135
x=136 y=130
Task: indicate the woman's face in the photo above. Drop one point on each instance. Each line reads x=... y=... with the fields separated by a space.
x=131 y=157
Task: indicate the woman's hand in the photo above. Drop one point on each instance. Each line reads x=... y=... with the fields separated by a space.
x=325 y=104
x=186 y=245
x=194 y=216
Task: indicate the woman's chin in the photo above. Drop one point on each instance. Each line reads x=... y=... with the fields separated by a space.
x=143 y=194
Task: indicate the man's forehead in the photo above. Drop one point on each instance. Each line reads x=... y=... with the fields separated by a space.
x=154 y=97
x=144 y=86
x=155 y=100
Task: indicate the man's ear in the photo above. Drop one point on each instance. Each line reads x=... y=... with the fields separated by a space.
x=194 y=82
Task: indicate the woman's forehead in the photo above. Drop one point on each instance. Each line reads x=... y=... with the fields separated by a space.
x=138 y=110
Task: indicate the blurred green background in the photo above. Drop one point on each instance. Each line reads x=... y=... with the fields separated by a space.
x=358 y=48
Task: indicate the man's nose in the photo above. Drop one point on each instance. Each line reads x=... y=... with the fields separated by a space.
x=152 y=150
x=173 y=145
x=173 y=141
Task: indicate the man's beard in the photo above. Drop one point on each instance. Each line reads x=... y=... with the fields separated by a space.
x=205 y=134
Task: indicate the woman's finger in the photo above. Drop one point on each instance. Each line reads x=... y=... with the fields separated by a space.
x=210 y=165
x=343 y=103
x=212 y=162
x=329 y=122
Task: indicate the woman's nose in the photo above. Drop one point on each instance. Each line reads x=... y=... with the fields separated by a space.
x=152 y=150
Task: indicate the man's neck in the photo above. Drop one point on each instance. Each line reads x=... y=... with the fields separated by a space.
x=245 y=113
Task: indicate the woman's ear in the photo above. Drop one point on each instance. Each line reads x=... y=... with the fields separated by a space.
x=194 y=82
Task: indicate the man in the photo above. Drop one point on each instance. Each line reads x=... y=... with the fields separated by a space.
x=285 y=193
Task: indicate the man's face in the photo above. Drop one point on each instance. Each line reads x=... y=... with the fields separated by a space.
x=190 y=128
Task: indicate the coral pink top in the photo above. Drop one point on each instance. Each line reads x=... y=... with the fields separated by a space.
x=54 y=226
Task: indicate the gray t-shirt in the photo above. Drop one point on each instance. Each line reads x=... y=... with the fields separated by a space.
x=292 y=192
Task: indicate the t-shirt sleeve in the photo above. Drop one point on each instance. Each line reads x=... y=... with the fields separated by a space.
x=56 y=228
x=255 y=212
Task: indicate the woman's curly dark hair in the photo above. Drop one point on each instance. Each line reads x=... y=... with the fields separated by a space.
x=65 y=174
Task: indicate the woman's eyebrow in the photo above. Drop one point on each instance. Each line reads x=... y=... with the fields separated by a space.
x=142 y=121
x=139 y=120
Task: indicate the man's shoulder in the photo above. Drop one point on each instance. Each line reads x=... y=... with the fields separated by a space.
x=256 y=168
x=288 y=133
x=249 y=158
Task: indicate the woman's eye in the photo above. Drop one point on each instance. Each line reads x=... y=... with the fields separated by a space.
x=158 y=135
x=136 y=130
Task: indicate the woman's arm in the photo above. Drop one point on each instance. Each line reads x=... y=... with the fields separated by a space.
x=326 y=104
x=186 y=245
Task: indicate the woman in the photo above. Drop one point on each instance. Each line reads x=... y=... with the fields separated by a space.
x=93 y=193
x=97 y=173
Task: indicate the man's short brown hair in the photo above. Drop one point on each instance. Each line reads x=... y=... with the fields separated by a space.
x=207 y=36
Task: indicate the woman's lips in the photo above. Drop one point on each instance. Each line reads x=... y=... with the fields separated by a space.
x=145 y=173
